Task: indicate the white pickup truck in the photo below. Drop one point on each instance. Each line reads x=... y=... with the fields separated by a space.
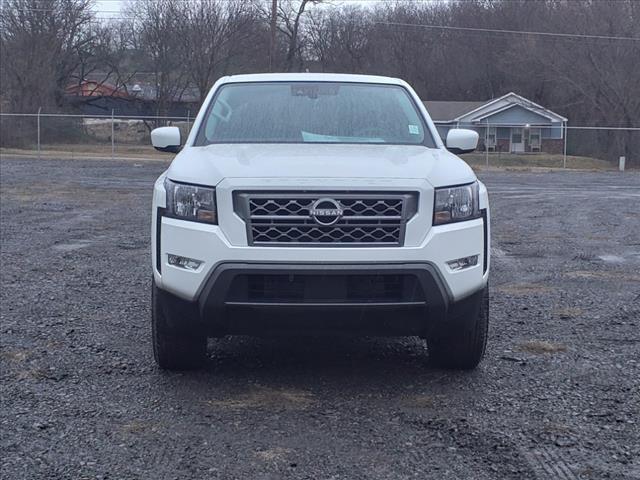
x=318 y=204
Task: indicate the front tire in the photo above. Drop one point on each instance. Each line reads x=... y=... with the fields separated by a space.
x=461 y=344
x=179 y=341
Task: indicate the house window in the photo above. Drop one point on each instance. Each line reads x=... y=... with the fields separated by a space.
x=516 y=135
x=504 y=133
x=534 y=139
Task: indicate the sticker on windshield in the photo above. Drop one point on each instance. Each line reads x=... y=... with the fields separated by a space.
x=414 y=130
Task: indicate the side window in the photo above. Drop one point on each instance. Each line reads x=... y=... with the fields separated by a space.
x=220 y=113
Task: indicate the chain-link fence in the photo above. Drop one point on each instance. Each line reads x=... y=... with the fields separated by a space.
x=500 y=145
x=47 y=134
x=560 y=146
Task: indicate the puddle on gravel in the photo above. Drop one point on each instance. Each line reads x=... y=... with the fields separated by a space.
x=611 y=258
x=71 y=246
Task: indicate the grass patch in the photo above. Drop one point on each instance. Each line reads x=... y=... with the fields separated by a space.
x=567 y=312
x=273 y=454
x=420 y=401
x=138 y=426
x=267 y=398
x=524 y=289
x=603 y=274
x=14 y=355
x=541 y=347
x=82 y=151
x=528 y=160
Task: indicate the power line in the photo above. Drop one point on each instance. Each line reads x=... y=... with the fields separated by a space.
x=57 y=10
x=401 y=24
x=518 y=32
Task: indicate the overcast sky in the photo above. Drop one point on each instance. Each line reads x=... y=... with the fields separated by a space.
x=107 y=7
x=111 y=8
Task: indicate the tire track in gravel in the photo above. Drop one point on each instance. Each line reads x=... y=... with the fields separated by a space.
x=550 y=463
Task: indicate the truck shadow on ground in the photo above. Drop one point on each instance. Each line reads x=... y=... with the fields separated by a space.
x=315 y=353
x=344 y=366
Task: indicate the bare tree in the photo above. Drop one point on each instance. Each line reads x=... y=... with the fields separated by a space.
x=290 y=13
x=105 y=59
x=339 y=40
x=157 y=27
x=289 y=23
x=213 y=33
x=41 y=45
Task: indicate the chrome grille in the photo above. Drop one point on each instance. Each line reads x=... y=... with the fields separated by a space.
x=357 y=218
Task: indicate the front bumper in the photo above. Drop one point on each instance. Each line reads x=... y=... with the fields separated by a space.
x=208 y=244
x=263 y=298
x=282 y=299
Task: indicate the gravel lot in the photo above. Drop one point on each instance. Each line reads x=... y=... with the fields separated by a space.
x=557 y=397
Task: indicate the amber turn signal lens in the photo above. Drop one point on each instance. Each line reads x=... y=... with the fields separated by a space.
x=442 y=217
x=206 y=216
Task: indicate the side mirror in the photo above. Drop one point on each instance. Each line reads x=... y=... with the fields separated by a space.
x=462 y=140
x=166 y=139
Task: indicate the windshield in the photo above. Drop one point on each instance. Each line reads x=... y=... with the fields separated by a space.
x=317 y=112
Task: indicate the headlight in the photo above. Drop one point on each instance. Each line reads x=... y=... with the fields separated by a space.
x=191 y=202
x=455 y=204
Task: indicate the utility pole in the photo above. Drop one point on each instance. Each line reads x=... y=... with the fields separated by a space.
x=272 y=43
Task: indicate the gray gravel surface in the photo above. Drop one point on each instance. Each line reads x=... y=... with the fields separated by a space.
x=557 y=396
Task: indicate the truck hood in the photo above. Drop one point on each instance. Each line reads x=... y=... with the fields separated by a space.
x=209 y=165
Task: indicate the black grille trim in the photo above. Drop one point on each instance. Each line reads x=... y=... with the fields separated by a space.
x=322 y=289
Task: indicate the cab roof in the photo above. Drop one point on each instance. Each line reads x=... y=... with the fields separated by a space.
x=311 y=77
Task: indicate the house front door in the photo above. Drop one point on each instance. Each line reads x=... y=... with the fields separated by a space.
x=517 y=140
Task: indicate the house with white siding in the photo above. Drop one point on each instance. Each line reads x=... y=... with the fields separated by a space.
x=510 y=123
